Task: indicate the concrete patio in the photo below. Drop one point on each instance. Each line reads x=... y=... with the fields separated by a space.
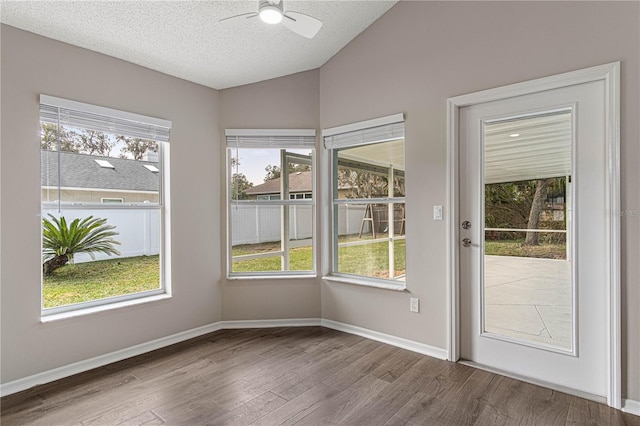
x=529 y=299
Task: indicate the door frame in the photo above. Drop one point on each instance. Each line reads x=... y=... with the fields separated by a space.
x=610 y=75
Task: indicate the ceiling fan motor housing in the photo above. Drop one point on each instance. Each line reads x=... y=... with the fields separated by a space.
x=270 y=11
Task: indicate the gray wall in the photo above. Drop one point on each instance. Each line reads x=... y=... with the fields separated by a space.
x=282 y=103
x=420 y=53
x=32 y=65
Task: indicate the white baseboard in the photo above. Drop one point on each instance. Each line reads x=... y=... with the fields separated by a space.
x=102 y=360
x=294 y=322
x=630 y=406
x=410 y=345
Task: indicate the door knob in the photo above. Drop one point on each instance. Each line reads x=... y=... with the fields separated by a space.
x=466 y=242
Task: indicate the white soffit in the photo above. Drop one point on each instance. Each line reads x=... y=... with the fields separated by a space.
x=185 y=40
x=541 y=149
x=387 y=154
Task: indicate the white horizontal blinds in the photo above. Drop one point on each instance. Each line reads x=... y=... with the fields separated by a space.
x=365 y=132
x=92 y=117
x=271 y=138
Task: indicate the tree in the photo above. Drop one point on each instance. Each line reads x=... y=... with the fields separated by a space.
x=60 y=242
x=274 y=172
x=239 y=186
x=361 y=184
x=520 y=205
x=93 y=142
x=136 y=147
x=49 y=138
x=507 y=205
x=537 y=205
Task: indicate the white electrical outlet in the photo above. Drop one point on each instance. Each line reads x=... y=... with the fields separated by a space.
x=415 y=304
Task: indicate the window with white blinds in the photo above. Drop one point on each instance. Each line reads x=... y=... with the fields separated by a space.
x=104 y=193
x=368 y=201
x=365 y=132
x=271 y=138
x=80 y=115
x=271 y=198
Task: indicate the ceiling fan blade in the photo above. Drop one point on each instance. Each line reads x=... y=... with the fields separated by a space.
x=305 y=25
x=244 y=15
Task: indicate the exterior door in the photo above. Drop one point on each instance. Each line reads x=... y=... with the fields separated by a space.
x=534 y=244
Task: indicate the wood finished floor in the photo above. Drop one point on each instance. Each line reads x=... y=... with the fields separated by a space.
x=303 y=376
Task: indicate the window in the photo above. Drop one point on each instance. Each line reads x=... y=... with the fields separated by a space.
x=112 y=200
x=96 y=248
x=268 y=197
x=271 y=232
x=368 y=201
x=300 y=196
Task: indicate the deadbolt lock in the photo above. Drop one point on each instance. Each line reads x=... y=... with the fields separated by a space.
x=466 y=224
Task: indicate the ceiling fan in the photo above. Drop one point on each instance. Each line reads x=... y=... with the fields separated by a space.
x=273 y=12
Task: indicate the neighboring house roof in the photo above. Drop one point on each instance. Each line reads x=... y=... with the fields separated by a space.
x=82 y=171
x=298 y=182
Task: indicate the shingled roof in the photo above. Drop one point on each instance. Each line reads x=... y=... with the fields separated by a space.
x=298 y=182
x=82 y=171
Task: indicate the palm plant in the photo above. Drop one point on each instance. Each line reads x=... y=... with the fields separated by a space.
x=60 y=242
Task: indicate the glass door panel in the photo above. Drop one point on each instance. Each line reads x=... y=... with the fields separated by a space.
x=528 y=280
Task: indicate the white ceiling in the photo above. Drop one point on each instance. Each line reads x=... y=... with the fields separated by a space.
x=183 y=38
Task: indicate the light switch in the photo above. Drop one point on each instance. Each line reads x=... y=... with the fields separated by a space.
x=437 y=212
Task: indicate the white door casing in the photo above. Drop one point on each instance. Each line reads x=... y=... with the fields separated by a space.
x=603 y=79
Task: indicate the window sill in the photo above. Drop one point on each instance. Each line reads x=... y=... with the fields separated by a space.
x=366 y=282
x=269 y=277
x=46 y=318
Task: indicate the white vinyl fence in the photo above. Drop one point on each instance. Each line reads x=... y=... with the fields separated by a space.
x=253 y=224
x=139 y=230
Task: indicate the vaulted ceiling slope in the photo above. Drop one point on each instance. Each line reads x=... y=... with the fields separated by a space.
x=184 y=38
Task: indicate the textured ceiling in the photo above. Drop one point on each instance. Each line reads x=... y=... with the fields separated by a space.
x=183 y=38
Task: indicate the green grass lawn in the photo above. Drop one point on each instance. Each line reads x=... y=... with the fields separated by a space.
x=107 y=278
x=300 y=259
x=370 y=260
x=100 y=279
x=515 y=248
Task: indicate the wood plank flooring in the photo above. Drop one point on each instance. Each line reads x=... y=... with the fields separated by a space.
x=296 y=376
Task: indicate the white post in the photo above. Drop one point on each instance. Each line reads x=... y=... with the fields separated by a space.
x=284 y=221
x=258 y=236
x=294 y=218
x=346 y=220
x=147 y=232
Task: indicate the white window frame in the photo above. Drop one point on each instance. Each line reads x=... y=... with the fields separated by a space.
x=282 y=139
x=378 y=130
x=114 y=121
